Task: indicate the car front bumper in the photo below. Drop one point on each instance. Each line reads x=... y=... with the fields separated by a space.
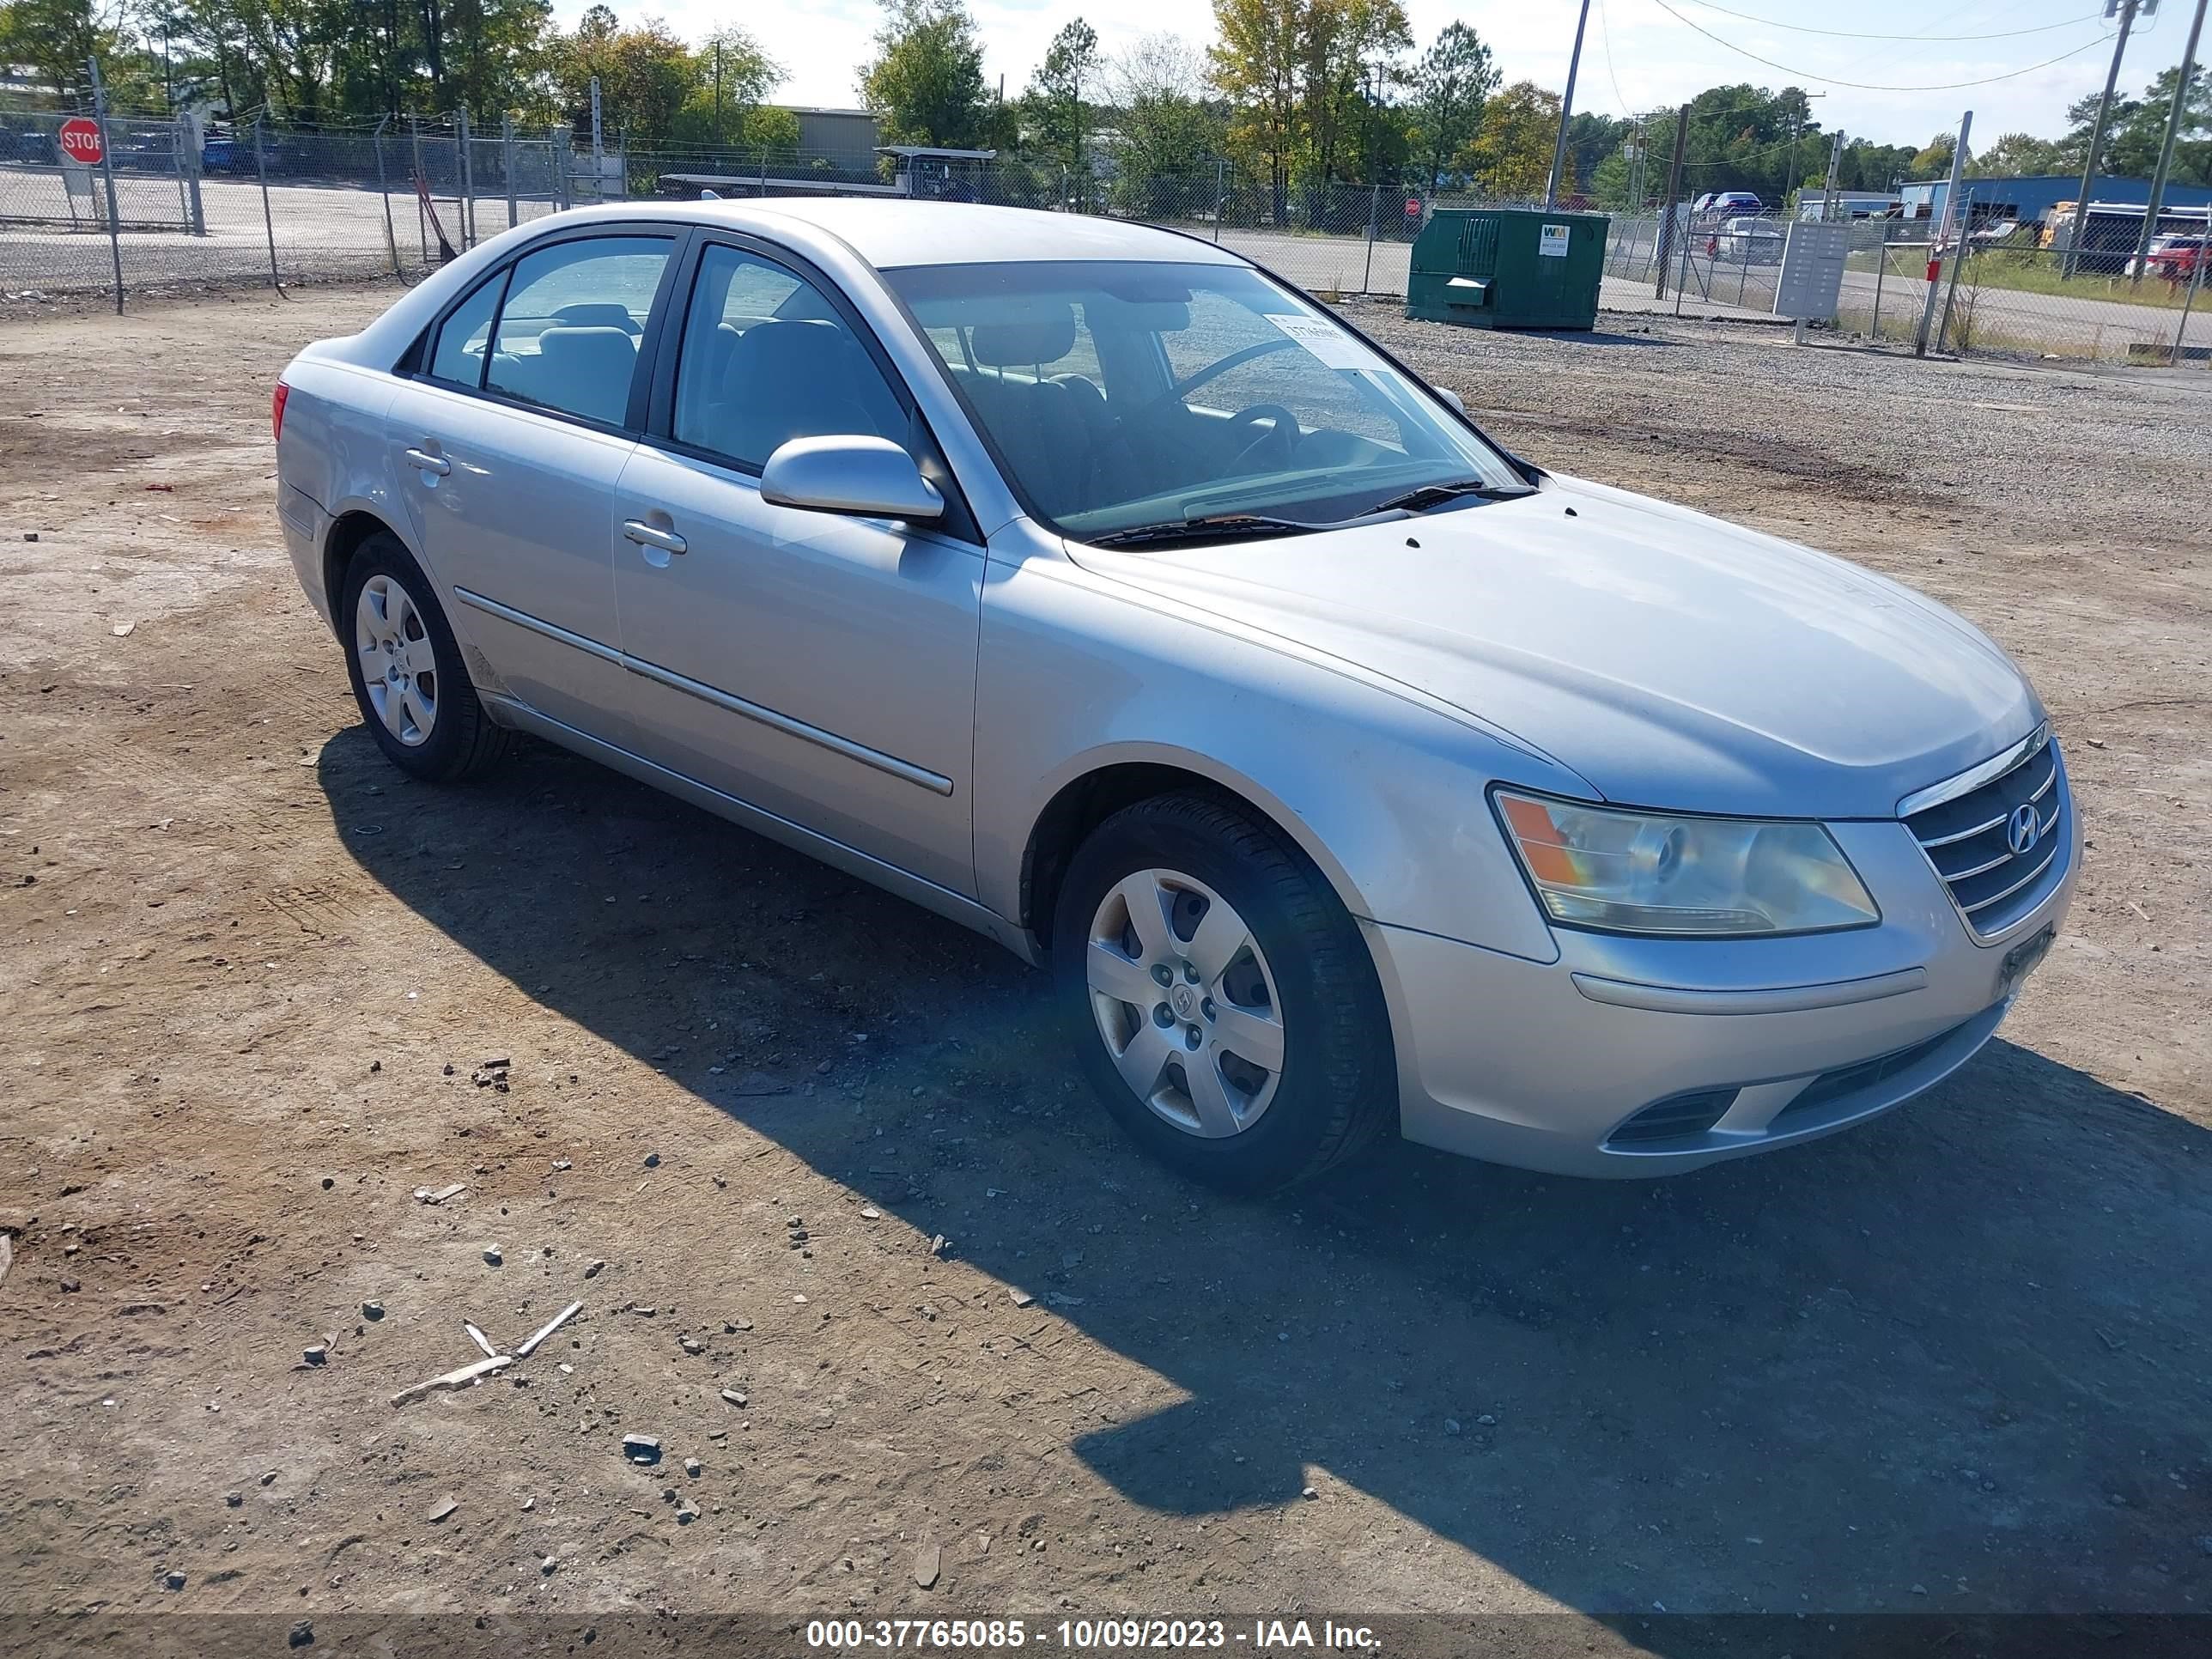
x=1542 y=1064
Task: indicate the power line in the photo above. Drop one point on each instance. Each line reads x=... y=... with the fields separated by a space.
x=1873 y=86
x=1853 y=34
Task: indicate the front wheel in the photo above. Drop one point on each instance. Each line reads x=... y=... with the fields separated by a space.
x=1223 y=1002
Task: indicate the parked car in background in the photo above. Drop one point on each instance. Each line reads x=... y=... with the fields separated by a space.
x=1082 y=583
x=2175 y=257
x=1722 y=205
x=1750 y=242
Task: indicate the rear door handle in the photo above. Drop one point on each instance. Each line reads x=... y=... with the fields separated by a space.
x=645 y=535
x=423 y=460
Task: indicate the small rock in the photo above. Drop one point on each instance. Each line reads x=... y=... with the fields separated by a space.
x=1920 y=1589
x=937 y=1245
x=70 y=1286
x=653 y=1160
x=372 y=1311
x=686 y=1513
x=1309 y=1492
x=691 y=1345
x=1451 y=1425
x=268 y=1479
x=870 y=1213
x=328 y=1183
x=549 y=1566
x=1488 y=1421
x=1021 y=1298
x=315 y=1354
x=445 y=1509
x=528 y=1505
x=491 y=1255
x=692 y=1467
x=302 y=1635
x=736 y=1397
x=928 y=1562
x=594 y=1269
x=233 y=1499
x=174 y=1578
x=640 y=1448
x=561 y=1163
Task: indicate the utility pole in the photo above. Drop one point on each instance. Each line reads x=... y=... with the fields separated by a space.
x=1566 y=114
x=1828 y=190
x=2128 y=10
x=2172 y=130
x=1668 y=232
x=1935 y=253
x=599 y=147
x=718 y=92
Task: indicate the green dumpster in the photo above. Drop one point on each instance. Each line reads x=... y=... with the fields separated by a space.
x=1508 y=268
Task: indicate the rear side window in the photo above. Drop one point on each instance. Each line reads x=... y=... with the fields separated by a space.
x=459 y=357
x=767 y=358
x=569 y=331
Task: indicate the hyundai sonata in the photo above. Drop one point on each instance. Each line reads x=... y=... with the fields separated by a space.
x=1086 y=585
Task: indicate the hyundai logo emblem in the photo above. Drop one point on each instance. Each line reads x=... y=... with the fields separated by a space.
x=2021 y=828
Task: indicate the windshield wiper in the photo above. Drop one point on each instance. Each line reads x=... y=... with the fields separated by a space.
x=1435 y=494
x=1222 y=527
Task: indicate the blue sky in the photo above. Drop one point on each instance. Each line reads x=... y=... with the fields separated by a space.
x=1637 y=56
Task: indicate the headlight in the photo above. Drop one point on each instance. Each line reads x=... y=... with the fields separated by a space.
x=1653 y=873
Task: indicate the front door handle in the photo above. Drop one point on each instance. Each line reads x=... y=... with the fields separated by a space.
x=424 y=461
x=645 y=535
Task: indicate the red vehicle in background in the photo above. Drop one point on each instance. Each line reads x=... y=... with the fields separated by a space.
x=2176 y=257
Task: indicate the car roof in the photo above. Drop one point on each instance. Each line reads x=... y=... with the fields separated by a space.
x=888 y=233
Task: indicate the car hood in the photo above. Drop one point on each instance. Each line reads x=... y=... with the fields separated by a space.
x=1668 y=658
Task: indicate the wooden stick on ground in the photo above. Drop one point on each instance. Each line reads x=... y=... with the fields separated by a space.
x=459 y=1379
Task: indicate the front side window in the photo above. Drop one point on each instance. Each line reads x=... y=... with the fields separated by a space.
x=766 y=359
x=569 y=330
x=1126 y=395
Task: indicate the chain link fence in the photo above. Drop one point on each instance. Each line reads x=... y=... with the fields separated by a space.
x=264 y=203
x=209 y=205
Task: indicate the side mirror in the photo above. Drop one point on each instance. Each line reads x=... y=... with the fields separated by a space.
x=1449 y=397
x=869 y=477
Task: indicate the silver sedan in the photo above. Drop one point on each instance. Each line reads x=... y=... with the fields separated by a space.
x=1084 y=584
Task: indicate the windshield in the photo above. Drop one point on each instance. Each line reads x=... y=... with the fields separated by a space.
x=1121 y=395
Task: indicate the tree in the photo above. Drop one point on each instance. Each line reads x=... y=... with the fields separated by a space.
x=925 y=81
x=2019 y=154
x=732 y=75
x=1510 y=156
x=53 y=39
x=2137 y=129
x=1055 y=94
x=1450 y=84
x=645 y=74
x=1164 y=130
x=1933 y=158
x=1256 y=66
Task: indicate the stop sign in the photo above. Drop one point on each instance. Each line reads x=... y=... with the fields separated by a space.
x=79 y=141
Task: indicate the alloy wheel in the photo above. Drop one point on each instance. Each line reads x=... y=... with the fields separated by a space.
x=399 y=666
x=1185 y=1003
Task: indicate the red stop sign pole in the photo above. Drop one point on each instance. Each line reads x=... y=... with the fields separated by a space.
x=80 y=141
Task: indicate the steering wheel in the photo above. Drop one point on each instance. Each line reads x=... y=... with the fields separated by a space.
x=1274 y=444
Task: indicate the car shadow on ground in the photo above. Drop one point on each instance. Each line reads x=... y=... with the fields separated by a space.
x=1957 y=1359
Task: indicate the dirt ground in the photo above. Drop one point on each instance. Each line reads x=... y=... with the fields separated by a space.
x=1957 y=1362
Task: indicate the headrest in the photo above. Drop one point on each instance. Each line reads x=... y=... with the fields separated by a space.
x=1029 y=332
x=596 y=313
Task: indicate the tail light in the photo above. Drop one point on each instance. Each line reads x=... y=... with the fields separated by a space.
x=277 y=409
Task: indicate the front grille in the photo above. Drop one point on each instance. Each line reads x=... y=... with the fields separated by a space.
x=1969 y=839
x=1831 y=1086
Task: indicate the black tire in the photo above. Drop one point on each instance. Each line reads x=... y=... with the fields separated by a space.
x=1338 y=1089
x=463 y=742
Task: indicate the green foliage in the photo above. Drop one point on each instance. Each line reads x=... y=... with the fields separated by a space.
x=2137 y=129
x=1453 y=80
x=925 y=82
x=52 y=39
x=1510 y=154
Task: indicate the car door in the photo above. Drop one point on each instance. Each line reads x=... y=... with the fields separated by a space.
x=512 y=437
x=816 y=665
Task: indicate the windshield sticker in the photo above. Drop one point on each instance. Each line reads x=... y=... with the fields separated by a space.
x=1326 y=341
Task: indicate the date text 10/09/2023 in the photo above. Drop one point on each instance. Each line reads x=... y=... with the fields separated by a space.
x=1127 y=1635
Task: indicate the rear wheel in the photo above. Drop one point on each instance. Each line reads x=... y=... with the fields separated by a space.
x=1220 y=997
x=405 y=669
